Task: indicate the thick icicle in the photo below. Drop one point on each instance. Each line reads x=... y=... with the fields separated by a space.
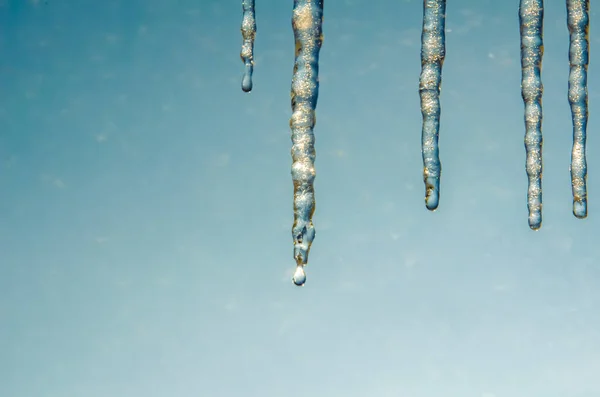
x=433 y=51
x=531 y=14
x=248 y=34
x=307 y=22
x=578 y=23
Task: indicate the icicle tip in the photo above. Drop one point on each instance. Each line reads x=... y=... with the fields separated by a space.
x=580 y=208
x=432 y=193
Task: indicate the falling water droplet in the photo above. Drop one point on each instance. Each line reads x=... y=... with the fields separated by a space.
x=578 y=23
x=248 y=34
x=531 y=15
x=307 y=20
x=299 y=277
x=433 y=51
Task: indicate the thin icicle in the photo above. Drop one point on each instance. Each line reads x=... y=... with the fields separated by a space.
x=433 y=51
x=578 y=23
x=307 y=22
x=531 y=14
x=248 y=34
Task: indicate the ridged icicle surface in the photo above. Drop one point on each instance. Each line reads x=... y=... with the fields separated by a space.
x=578 y=22
x=531 y=15
x=307 y=22
x=433 y=52
x=248 y=34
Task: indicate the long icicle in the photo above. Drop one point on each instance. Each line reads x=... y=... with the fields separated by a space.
x=531 y=14
x=248 y=34
x=307 y=20
x=433 y=52
x=578 y=23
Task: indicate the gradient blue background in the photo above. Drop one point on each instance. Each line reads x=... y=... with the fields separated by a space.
x=146 y=208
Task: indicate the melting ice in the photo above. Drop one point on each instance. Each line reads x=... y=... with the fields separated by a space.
x=531 y=14
x=578 y=22
x=248 y=34
x=307 y=20
x=433 y=51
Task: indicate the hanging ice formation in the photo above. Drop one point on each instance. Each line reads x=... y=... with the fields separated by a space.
x=578 y=23
x=531 y=13
x=248 y=34
x=307 y=20
x=433 y=51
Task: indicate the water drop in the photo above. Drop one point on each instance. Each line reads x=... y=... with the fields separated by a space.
x=299 y=277
x=247 y=79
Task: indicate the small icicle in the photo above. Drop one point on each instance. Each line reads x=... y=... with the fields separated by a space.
x=578 y=23
x=248 y=34
x=531 y=14
x=433 y=51
x=307 y=19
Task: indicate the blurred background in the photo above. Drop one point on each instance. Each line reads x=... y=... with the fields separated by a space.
x=146 y=208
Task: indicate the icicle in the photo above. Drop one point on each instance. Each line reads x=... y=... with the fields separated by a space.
x=248 y=34
x=578 y=23
x=307 y=19
x=531 y=14
x=433 y=51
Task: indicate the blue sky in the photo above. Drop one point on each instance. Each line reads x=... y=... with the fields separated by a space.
x=146 y=208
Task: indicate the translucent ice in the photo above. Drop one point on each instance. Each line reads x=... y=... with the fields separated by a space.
x=531 y=14
x=433 y=51
x=578 y=23
x=248 y=34
x=299 y=277
x=307 y=19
